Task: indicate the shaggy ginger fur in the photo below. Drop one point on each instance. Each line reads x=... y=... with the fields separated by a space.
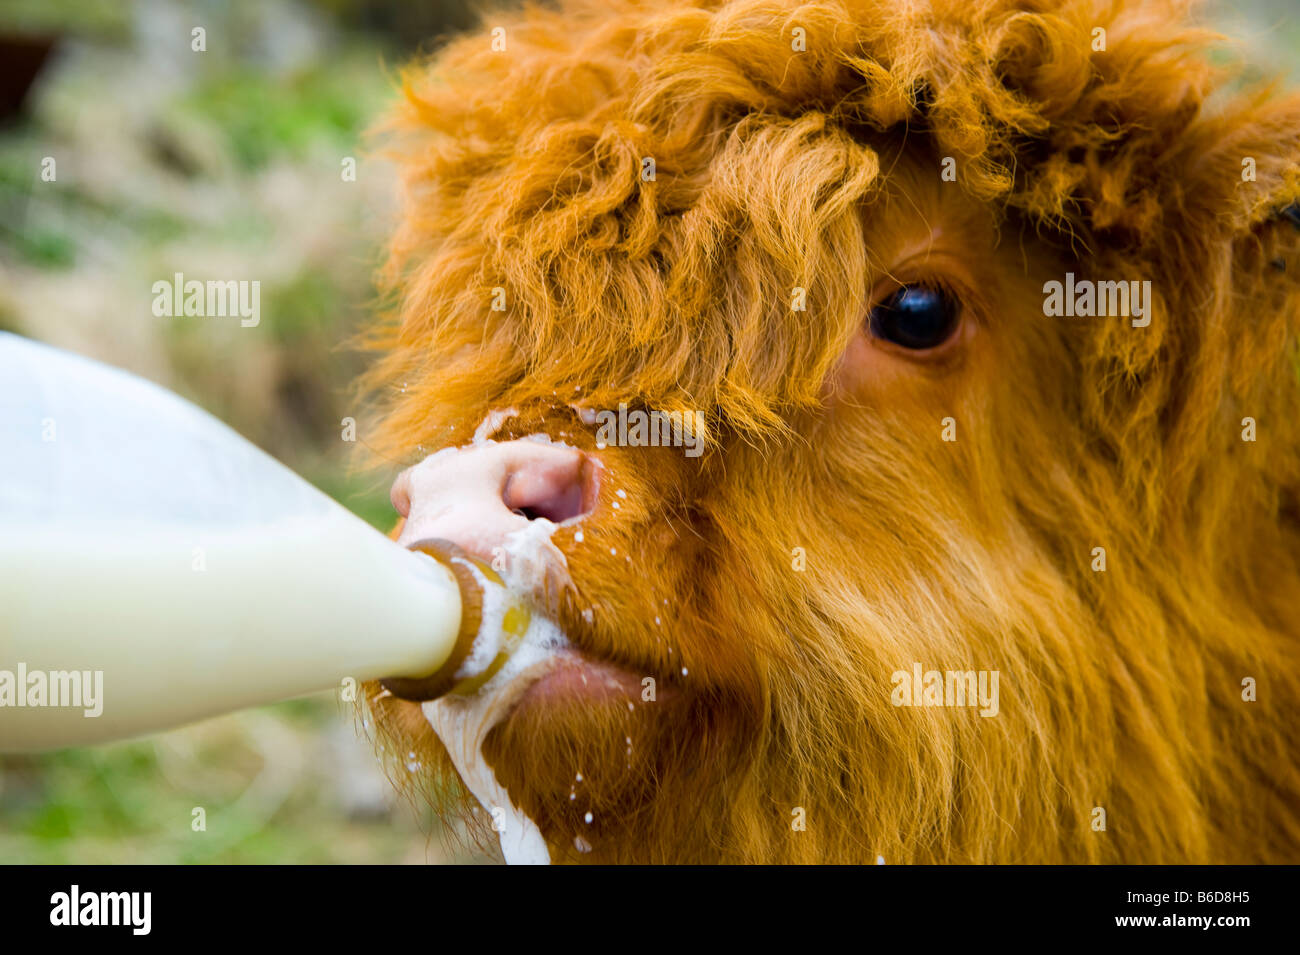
x=774 y=169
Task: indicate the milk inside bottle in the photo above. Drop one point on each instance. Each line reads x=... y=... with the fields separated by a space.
x=156 y=568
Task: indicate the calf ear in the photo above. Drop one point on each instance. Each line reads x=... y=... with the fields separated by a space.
x=1263 y=148
x=1245 y=164
x=1226 y=261
x=1232 y=198
x=1244 y=186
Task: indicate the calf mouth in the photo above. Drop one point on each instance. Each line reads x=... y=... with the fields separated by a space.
x=499 y=623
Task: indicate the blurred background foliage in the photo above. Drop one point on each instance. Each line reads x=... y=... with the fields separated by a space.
x=222 y=164
x=227 y=164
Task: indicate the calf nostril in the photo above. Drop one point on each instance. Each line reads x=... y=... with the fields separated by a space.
x=557 y=490
x=561 y=507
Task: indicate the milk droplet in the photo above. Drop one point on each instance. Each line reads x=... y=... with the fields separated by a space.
x=581 y=844
x=578 y=777
x=621 y=493
x=577 y=537
x=684 y=671
x=616 y=507
x=613 y=552
x=656 y=621
x=588 y=818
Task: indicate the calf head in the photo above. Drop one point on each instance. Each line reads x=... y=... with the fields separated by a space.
x=821 y=244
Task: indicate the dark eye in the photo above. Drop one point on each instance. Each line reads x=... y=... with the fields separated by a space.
x=916 y=317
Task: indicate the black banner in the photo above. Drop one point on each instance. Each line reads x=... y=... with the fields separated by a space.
x=952 y=905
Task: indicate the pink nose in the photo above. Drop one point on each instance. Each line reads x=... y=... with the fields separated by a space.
x=478 y=495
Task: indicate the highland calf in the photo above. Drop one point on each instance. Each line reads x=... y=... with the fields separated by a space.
x=838 y=254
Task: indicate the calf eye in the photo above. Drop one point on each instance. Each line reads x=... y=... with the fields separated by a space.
x=916 y=317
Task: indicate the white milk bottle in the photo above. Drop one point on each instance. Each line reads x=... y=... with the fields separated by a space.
x=156 y=568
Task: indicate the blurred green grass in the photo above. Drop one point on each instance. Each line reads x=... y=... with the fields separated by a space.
x=220 y=165
x=276 y=785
